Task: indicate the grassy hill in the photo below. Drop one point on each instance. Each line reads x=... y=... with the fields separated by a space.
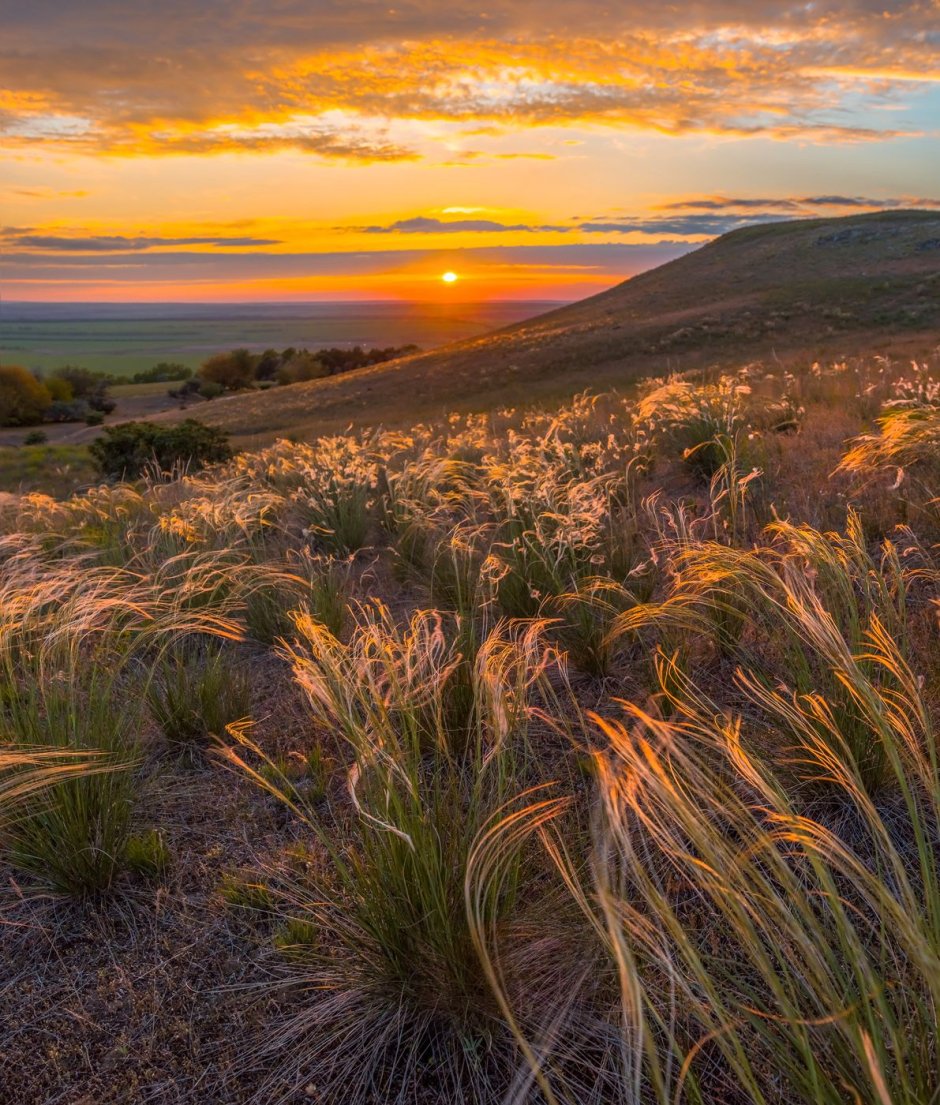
x=805 y=288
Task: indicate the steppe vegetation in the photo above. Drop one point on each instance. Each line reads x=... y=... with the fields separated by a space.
x=578 y=755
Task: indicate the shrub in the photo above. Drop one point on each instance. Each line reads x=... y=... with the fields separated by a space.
x=102 y=402
x=125 y=451
x=81 y=382
x=75 y=410
x=23 y=399
x=268 y=364
x=336 y=360
x=36 y=437
x=232 y=371
x=84 y=384
x=94 y=418
x=188 y=389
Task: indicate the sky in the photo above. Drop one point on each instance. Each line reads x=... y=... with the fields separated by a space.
x=226 y=150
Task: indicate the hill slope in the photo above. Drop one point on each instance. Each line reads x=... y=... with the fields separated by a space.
x=821 y=287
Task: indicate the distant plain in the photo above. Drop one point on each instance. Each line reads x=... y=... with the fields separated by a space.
x=124 y=338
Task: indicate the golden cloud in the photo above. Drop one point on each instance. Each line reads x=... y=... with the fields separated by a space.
x=303 y=77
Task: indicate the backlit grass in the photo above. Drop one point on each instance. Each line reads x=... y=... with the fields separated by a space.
x=577 y=755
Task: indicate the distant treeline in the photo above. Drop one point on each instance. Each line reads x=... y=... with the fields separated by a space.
x=240 y=368
x=76 y=394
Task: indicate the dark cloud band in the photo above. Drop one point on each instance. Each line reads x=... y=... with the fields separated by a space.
x=723 y=214
x=116 y=243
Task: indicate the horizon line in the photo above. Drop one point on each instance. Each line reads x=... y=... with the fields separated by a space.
x=271 y=302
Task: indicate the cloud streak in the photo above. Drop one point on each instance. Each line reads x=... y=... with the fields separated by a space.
x=189 y=266
x=698 y=217
x=116 y=243
x=152 y=140
x=801 y=204
x=422 y=224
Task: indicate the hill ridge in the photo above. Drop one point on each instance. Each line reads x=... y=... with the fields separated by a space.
x=801 y=287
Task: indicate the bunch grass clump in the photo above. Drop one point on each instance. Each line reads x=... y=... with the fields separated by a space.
x=754 y=946
x=438 y=742
x=196 y=691
x=697 y=423
x=318 y=586
x=73 y=834
x=906 y=446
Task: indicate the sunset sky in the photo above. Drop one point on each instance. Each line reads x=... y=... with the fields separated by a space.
x=338 y=149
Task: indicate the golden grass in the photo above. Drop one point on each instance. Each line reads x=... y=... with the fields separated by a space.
x=610 y=775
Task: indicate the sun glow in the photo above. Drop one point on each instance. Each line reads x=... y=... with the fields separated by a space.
x=449 y=277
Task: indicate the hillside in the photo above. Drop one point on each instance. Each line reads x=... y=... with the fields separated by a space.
x=823 y=287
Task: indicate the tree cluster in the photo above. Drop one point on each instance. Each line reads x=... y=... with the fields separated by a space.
x=69 y=394
x=78 y=394
x=240 y=368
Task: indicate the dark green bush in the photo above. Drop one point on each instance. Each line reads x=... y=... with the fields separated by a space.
x=208 y=389
x=71 y=410
x=126 y=450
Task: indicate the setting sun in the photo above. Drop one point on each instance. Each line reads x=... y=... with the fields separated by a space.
x=449 y=278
